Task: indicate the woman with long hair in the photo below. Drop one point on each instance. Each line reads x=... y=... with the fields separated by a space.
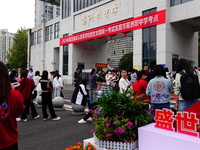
x=26 y=87
x=80 y=95
x=12 y=76
x=11 y=107
x=37 y=78
x=184 y=67
x=46 y=87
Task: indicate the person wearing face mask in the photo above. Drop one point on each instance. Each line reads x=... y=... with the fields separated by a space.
x=108 y=76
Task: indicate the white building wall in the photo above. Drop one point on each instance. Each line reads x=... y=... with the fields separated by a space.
x=185 y=11
x=172 y=37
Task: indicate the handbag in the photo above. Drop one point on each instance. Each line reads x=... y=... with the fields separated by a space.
x=48 y=86
x=33 y=94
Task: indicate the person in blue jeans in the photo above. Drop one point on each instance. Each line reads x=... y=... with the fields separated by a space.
x=104 y=89
x=159 y=88
x=183 y=104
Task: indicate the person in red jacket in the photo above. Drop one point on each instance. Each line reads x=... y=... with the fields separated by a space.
x=140 y=86
x=11 y=107
x=27 y=85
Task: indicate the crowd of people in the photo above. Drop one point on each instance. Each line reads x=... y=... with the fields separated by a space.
x=31 y=85
x=155 y=86
x=17 y=95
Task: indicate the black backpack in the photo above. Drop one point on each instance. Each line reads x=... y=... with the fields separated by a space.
x=190 y=88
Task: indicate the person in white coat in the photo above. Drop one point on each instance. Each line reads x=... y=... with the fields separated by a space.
x=124 y=83
x=57 y=85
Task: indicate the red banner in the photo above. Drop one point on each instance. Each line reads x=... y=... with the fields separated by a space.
x=99 y=65
x=148 y=20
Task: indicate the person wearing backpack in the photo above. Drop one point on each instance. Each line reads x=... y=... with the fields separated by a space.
x=187 y=85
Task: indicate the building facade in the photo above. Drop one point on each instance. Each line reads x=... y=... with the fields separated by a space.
x=45 y=11
x=91 y=32
x=6 y=42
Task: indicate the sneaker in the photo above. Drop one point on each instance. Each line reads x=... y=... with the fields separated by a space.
x=57 y=118
x=82 y=121
x=24 y=120
x=89 y=119
x=36 y=117
x=46 y=118
x=18 y=119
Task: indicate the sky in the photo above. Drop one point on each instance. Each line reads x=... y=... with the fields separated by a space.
x=16 y=14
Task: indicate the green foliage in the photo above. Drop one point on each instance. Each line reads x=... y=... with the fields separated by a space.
x=126 y=62
x=118 y=116
x=17 y=56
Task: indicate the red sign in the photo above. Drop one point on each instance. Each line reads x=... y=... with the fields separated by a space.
x=98 y=65
x=164 y=119
x=144 y=21
x=186 y=122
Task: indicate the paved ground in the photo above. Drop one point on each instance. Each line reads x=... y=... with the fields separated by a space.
x=53 y=135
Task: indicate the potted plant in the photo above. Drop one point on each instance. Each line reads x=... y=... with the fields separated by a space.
x=118 y=116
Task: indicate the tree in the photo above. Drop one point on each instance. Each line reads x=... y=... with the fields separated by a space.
x=126 y=62
x=17 y=55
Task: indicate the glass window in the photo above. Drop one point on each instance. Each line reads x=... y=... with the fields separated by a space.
x=33 y=42
x=93 y=2
x=152 y=47
x=78 y=4
x=39 y=36
x=49 y=33
x=89 y=2
x=56 y=30
x=152 y=34
x=149 y=43
x=66 y=8
x=65 y=60
x=146 y=37
x=145 y=50
x=177 y=2
x=85 y=3
x=174 y=62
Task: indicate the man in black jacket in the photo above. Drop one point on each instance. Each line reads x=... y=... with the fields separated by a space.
x=77 y=77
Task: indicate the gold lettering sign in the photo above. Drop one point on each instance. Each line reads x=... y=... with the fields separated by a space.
x=91 y=17
x=98 y=15
x=84 y=20
x=115 y=9
x=106 y=12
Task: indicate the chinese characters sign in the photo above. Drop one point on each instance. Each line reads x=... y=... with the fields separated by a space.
x=152 y=19
x=99 y=15
x=186 y=122
x=99 y=65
